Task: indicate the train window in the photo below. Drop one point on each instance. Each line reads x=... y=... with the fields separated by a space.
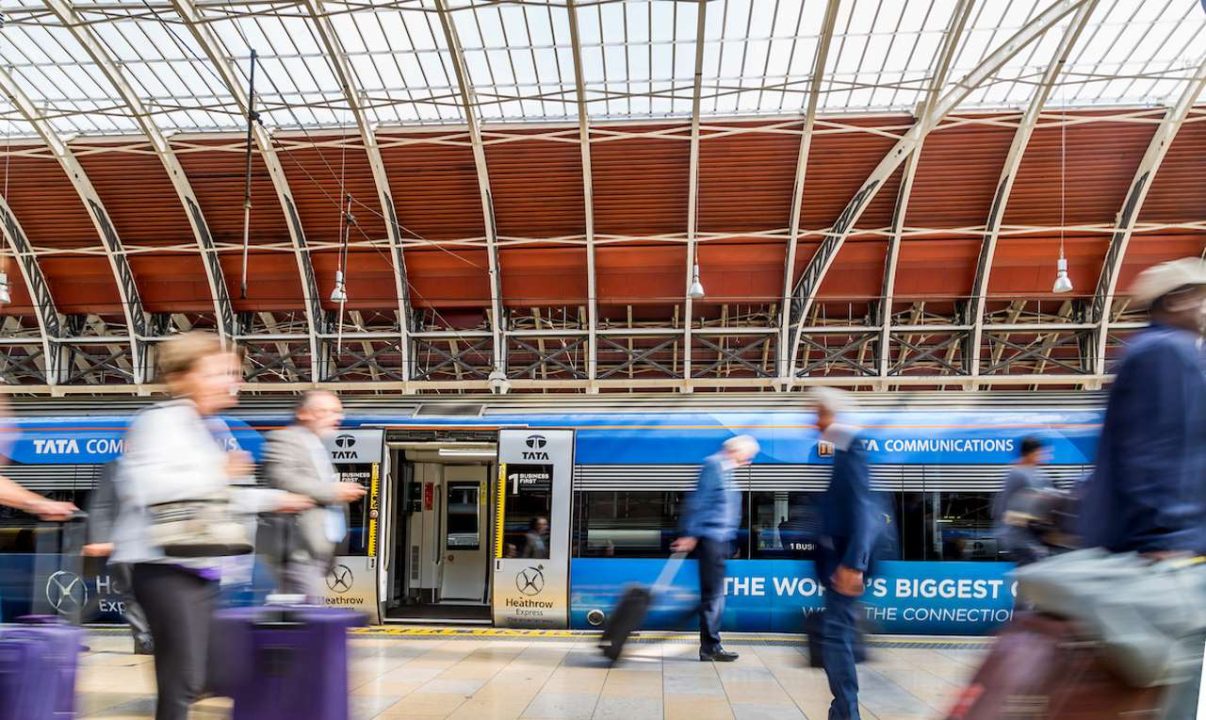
x=636 y=524
x=784 y=524
x=962 y=526
x=527 y=511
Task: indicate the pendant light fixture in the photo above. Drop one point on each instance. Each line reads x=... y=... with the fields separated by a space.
x=1063 y=283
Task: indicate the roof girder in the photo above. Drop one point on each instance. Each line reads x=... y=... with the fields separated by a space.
x=588 y=198
x=49 y=323
x=693 y=191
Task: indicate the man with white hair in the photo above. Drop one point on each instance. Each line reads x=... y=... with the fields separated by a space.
x=850 y=528
x=711 y=516
x=1147 y=494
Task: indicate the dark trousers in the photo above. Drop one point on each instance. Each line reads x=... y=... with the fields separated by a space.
x=838 y=628
x=179 y=606
x=122 y=576
x=712 y=555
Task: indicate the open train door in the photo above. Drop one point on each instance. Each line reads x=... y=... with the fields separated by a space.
x=532 y=528
x=359 y=457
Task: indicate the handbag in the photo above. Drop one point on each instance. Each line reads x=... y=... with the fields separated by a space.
x=1146 y=615
x=198 y=528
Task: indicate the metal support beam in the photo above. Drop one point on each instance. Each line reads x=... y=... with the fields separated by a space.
x=693 y=189
x=1009 y=172
x=127 y=289
x=938 y=80
x=49 y=323
x=220 y=61
x=469 y=106
x=347 y=82
x=784 y=360
x=83 y=33
x=805 y=291
x=1157 y=148
x=588 y=196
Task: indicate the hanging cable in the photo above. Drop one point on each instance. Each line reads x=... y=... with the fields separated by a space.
x=252 y=118
x=1063 y=283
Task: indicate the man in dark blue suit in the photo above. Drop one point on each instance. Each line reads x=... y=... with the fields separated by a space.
x=710 y=518
x=851 y=522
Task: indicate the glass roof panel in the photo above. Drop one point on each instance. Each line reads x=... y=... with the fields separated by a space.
x=637 y=59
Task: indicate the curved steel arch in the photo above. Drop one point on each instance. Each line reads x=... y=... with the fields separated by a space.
x=818 y=266
x=588 y=198
x=1107 y=283
x=127 y=289
x=49 y=323
x=468 y=103
x=1009 y=172
x=163 y=150
x=343 y=72
x=191 y=14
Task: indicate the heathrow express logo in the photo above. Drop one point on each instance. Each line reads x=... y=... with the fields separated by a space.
x=66 y=592
x=535 y=449
x=339 y=580
x=530 y=581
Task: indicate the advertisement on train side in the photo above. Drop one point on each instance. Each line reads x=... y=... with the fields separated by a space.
x=916 y=598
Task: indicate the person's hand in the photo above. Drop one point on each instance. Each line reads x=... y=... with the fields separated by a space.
x=349 y=492
x=51 y=510
x=684 y=544
x=293 y=503
x=239 y=464
x=848 y=582
x=97 y=550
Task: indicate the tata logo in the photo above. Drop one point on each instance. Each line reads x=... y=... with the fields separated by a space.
x=60 y=446
x=339 y=580
x=345 y=443
x=66 y=592
x=530 y=580
x=535 y=449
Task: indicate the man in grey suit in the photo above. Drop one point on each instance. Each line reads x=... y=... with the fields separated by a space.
x=296 y=460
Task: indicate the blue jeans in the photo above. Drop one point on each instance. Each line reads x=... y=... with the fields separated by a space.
x=712 y=555
x=838 y=628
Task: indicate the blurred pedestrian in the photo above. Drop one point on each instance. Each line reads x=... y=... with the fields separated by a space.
x=14 y=496
x=178 y=452
x=102 y=514
x=1011 y=508
x=296 y=460
x=534 y=543
x=710 y=518
x=851 y=523
x=1147 y=494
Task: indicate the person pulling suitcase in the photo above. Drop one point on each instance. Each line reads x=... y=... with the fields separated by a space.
x=634 y=605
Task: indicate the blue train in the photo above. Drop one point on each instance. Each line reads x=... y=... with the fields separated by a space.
x=456 y=485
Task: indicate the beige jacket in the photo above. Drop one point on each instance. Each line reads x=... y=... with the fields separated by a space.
x=290 y=465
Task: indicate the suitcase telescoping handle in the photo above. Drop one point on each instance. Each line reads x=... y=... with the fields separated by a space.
x=669 y=571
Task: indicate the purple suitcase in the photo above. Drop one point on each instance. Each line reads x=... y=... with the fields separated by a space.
x=283 y=662
x=42 y=655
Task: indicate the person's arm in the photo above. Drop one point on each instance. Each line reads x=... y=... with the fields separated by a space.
x=1149 y=460
x=286 y=468
x=14 y=496
x=865 y=525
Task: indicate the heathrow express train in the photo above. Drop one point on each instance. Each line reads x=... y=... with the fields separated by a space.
x=537 y=511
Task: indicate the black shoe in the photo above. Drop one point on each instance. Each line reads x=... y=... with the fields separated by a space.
x=718 y=655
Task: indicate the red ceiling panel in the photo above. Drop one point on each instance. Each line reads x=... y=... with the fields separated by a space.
x=641 y=274
x=1171 y=197
x=838 y=165
x=857 y=271
x=640 y=184
x=369 y=279
x=448 y=278
x=1101 y=158
x=537 y=188
x=81 y=284
x=435 y=188
x=172 y=283
x=745 y=181
x=740 y=273
x=1146 y=250
x=534 y=277
x=274 y=281
x=138 y=194
x=936 y=268
x=957 y=176
x=217 y=177
x=46 y=205
x=320 y=180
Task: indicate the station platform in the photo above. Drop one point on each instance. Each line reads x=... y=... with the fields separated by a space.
x=479 y=674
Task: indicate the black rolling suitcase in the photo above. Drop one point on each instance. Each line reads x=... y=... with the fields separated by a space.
x=634 y=604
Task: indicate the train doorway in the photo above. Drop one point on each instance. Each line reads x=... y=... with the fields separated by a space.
x=440 y=526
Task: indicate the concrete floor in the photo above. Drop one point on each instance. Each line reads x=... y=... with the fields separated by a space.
x=496 y=676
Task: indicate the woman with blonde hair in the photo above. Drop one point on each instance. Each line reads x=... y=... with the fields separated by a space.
x=180 y=454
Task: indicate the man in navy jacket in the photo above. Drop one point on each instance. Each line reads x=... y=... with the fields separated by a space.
x=710 y=518
x=851 y=522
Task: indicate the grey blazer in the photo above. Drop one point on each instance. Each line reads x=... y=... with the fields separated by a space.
x=289 y=464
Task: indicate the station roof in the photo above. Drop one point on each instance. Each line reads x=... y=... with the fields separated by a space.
x=870 y=189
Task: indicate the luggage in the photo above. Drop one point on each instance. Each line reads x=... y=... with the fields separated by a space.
x=60 y=587
x=813 y=628
x=38 y=664
x=634 y=605
x=283 y=662
x=1040 y=669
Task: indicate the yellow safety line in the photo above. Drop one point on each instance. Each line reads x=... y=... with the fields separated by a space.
x=483 y=632
x=501 y=512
